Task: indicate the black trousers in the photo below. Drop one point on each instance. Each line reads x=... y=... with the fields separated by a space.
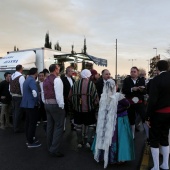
x=135 y=109
x=17 y=113
x=159 y=131
x=30 y=124
x=86 y=118
x=42 y=113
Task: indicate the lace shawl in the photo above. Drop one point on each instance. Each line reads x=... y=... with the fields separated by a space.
x=106 y=122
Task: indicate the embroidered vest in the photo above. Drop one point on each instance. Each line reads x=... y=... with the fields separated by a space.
x=48 y=86
x=15 y=86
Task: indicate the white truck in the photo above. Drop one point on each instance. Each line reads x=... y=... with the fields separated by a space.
x=37 y=57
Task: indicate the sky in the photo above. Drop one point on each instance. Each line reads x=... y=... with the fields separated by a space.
x=138 y=25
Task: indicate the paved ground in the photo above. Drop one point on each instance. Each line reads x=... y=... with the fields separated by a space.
x=14 y=155
x=147 y=161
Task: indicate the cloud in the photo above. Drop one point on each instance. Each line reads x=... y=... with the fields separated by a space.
x=138 y=25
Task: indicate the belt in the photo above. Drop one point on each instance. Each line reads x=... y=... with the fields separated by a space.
x=16 y=95
x=50 y=101
x=164 y=110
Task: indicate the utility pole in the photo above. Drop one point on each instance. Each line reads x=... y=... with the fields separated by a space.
x=156 y=50
x=116 y=62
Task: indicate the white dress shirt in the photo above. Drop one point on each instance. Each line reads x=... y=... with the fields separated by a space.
x=70 y=80
x=42 y=92
x=58 y=88
x=134 y=81
x=162 y=72
x=104 y=81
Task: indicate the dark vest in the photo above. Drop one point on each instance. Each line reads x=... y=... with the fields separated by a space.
x=48 y=86
x=15 y=86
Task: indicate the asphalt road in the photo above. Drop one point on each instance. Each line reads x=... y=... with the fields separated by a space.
x=14 y=155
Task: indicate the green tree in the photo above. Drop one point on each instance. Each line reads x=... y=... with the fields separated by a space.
x=15 y=49
x=57 y=46
x=47 y=44
x=153 y=63
x=50 y=45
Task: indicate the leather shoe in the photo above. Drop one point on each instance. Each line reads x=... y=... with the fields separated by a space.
x=58 y=154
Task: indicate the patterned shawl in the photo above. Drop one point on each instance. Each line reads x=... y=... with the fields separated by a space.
x=84 y=95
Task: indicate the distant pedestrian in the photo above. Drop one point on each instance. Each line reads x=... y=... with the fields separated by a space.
x=41 y=110
x=94 y=76
x=5 y=99
x=30 y=104
x=46 y=73
x=54 y=105
x=16 y=90
x=101 y=81
x=68 y=82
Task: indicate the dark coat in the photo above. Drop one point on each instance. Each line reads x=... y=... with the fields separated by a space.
x=66 y=91
x=4 y=91
x=128 y=84
x=66 y=86
x=159 y=95
x=99 y=86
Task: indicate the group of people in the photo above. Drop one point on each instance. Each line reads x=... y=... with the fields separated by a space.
x=94 y=104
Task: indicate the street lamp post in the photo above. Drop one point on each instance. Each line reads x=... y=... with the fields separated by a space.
x=156 y=50
x=116 y=62
x=132 y=61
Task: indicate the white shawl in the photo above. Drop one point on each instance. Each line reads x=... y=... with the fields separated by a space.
x=106 y=122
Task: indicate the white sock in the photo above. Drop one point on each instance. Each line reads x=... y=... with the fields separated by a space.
x=133 y=130
x=155 y=156
x=165 y=153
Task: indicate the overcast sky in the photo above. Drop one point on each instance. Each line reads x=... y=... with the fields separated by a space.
x=138 y=25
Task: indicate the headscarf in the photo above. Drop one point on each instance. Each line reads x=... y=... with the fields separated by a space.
x=106 y=122
x=93 y=72
x=85 y=73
